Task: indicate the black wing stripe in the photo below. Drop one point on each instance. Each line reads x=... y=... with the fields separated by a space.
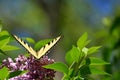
x=44 y=49
x=25 y=45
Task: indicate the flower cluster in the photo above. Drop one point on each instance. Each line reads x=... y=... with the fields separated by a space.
x=34 y=67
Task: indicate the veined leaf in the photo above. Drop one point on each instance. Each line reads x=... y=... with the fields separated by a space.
x=58 y=66
x=95 y=61
x=9 y=48
x=81 y=43
x=4 y=73
x=93 y=49
x=94 y=70
x=85 y=51
x=85 y=70
x=4 y=33
x=73 y=55
x=1 y=51
x=30 y=40
x=3 y=41
x=16 y=73
x=87 y=42
x=68 y=58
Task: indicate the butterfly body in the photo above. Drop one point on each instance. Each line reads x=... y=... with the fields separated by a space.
x=42 y=51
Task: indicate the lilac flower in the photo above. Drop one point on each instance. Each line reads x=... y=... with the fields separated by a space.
x=33 y=65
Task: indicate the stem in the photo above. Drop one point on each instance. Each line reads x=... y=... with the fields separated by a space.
x=71 y=65
x=77 y=66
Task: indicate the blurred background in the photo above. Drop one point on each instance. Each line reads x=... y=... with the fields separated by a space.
x=43 y=19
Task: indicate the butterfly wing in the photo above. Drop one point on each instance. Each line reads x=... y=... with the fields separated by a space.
x=44 y=49
x=26 y=46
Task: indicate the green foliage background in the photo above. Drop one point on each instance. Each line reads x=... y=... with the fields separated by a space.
x=42 y=19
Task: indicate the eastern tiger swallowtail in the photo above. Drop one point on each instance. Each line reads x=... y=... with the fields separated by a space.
x=42 y=51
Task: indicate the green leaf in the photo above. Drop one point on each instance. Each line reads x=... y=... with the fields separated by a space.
x=58 y=66
x=9 y=48
x=65 y=77
x=73 y=55
x=85 y=51
x=30 y=40
x=68 y=58
x=94 y=70
x=70 y=72
x=85 y=70
x=3 y=41
x=1 y=51
x=3 y=33
x=78 y=78
x=16 y=73
x=95 y=61
x=82 y=41
x=87 y=42
x=41 y=43
x=93 y=49
x=4 y=73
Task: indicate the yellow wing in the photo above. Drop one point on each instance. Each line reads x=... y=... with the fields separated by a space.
x=26 y=46
x=44 y=49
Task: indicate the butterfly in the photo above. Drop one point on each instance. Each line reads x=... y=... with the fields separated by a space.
x=38 y=54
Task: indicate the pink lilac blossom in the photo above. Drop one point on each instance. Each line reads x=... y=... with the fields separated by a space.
x=33 y=65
